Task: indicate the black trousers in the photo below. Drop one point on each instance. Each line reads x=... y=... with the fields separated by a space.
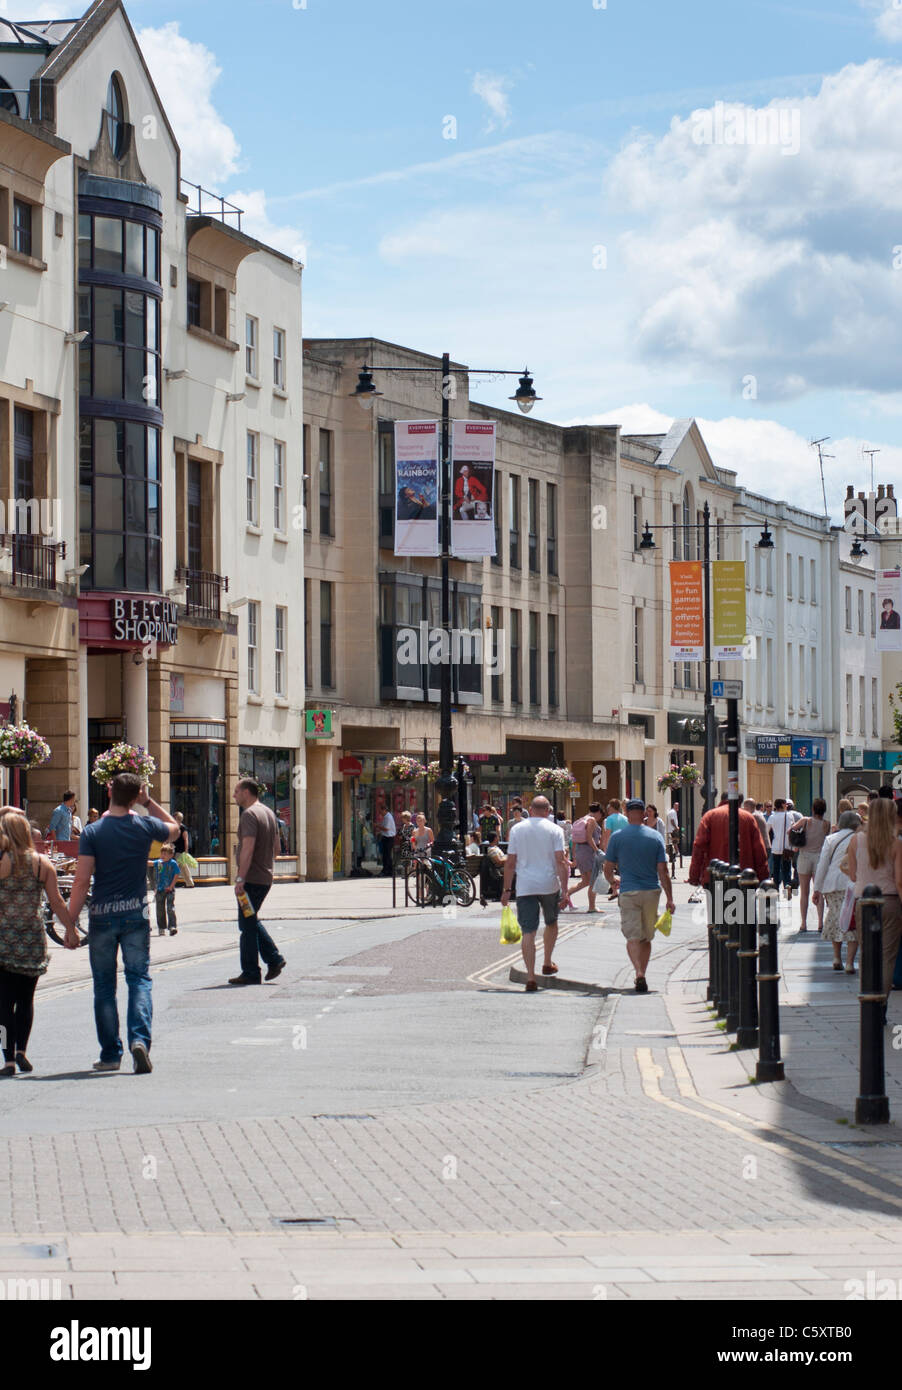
x=16 y=1011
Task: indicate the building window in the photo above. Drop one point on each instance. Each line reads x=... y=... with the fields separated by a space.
x=513 y=498
x=637 y=521
x=861 y=612
x=551 y=526
x=325 y=483
x=278 y=486
x=271 y=769
x=278 y=357
x=812 y=680
x=515 y=656
x=848 y=609
x=814 y=582
x=677 y=676
x=875 y=722
x=22 y=227
x=305 y=481
x=253 y=448
x=535 y=691
x=789 y=576
x=720 y=540
x=279 y=672
x=253 y=641
x=120 y=360
x=802 y=686
x=308 y=664
x=873 y=606
x=115 y=117
x=325 y=635
x=848 y=704
x=533 y=534
x=250 y=346
x=194 y=300
x=790 y=702
x=771 y=679
x=497 y=658
x=638 y=646
x=552 y=661
x=119 y=505
x=770 y=571
x=758 y=563
x=801 y=579
x=387 y=484
x=197 y=777
x=862 y=726
x=497 y=558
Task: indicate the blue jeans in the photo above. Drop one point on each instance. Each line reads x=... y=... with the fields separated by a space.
x=131 y=931
x=781 y=872
x=255 y=939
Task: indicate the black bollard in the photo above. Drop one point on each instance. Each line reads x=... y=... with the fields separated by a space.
x=872 y=1105
x=770 y=1066
x=747 y=1033
x=732 y=908
x=712 y=940
x=715 y=912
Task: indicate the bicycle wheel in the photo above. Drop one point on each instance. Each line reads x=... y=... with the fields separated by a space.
x=414 y=882
x=55 y=931
x=463 y=886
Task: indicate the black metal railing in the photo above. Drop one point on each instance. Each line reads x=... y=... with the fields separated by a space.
x=204 y=591
x=33 y=560
x=211 y=204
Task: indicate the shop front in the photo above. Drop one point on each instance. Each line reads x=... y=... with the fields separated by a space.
x=686 y=735
x=865 y=769
x=801 y=756
x=271 y=768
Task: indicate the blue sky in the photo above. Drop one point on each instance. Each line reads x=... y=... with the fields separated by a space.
x=584 y=218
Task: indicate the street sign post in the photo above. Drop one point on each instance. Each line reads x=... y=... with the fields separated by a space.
x=726 y=690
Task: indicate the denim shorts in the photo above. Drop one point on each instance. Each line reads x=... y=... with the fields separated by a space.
x=528 y=910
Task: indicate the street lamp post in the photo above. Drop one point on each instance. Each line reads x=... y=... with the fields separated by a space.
x=766 y=542
x=525 y=397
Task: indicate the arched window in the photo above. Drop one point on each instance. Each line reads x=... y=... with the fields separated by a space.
x=115 y=117
x=8 y=98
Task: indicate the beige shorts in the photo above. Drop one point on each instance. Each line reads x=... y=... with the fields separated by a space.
x=638 y=914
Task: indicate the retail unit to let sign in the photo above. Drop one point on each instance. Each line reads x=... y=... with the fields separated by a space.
x=773 y=748
x=687 y=622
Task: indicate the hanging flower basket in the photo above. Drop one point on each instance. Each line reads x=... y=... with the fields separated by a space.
x=434 y=770
x=404 y=769
x=690 y=774
x=123 y=757
x=21 y=746
x=554 y=779
x=670 y=780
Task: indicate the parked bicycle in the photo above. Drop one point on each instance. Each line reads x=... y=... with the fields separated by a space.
x=436 y=881
x=65 y=880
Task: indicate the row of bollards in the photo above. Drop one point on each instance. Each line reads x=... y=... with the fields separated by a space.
x=744 y=978
x=742 y=956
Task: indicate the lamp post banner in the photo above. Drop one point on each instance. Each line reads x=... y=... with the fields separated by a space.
x=472 y=488
x=687 y=619
x=416 y=487
x=728 y=578
x=889 y=607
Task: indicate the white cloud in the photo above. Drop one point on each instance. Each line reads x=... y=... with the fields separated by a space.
x=752 y=261
x=185 y=74
x=768 y=458
x=256 y=222
x=492 y=88
x=887 y=18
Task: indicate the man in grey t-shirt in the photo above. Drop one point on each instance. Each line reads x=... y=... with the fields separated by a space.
x=258 y=845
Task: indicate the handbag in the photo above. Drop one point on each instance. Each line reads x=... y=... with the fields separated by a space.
x=797 y=834
x=847 y=911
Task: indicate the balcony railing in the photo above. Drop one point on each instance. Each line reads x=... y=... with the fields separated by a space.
x=204 y=591
x=210 y=204
x=33 y=560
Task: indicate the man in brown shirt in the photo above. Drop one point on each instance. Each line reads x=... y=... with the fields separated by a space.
x=258 y=845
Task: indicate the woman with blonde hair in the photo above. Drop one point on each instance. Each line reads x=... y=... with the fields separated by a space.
x=875 y=857
x=24 y=878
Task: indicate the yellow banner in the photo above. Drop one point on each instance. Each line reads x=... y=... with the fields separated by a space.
x=729 y=618
x=336 y=856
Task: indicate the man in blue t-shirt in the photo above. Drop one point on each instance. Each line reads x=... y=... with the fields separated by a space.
x=114 y=850
x=638 y=853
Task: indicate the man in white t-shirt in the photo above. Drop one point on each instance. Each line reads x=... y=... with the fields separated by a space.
x=387 y=832
x=537 y=855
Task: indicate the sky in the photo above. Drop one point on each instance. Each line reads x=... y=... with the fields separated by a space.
x=664 y=210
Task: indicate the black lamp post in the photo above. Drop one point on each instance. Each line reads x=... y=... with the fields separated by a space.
x=766 y=542
x=366 y=394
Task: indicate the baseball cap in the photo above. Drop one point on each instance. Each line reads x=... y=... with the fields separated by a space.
x=637 y=804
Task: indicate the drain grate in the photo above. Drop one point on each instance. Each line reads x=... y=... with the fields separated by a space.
x=306 y=1221
x=342 y=1117
x=546 y=1075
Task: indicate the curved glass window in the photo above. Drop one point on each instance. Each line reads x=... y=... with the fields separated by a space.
x=119 y=505
x=115 y=117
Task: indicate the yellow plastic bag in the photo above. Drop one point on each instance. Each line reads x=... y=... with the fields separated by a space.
x=510 y=927
x=664 y=923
